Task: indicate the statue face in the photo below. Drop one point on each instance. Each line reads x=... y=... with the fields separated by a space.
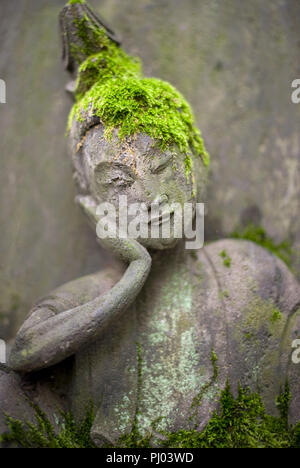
x=139 y=170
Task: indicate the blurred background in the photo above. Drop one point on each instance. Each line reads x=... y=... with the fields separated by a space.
x=234 y=61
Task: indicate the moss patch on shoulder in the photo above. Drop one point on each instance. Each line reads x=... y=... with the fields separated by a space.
x=241 y=422
x=111 y=63
x=146 y=105
x=42 y=434
x=257 y=234
x=276 y=315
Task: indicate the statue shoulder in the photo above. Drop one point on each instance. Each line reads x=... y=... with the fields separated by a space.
x=244 y=268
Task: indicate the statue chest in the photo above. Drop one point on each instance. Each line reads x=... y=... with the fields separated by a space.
x=195 y=324
x=149 y=366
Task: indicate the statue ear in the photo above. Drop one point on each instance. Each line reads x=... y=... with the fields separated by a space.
x=80 y=30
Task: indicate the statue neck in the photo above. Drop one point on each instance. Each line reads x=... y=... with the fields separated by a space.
x=169 y=256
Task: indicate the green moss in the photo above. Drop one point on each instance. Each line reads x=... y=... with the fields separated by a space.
x=276 y=315
x=248 y=336
x=240 y=422
x=283 y=402
x=258 y=235
x=111 y=85
x=73 y=2
x=90 y=38
x=42 y=434
x=188 y=165
x=227 y=259
x=214 y=361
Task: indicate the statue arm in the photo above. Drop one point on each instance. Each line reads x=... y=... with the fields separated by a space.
x=50 y=338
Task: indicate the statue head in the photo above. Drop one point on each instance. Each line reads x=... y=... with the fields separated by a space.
x=131 y=135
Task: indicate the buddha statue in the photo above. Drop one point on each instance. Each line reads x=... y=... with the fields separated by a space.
x=160 y=331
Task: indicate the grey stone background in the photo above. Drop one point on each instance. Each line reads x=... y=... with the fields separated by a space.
x=233 y=60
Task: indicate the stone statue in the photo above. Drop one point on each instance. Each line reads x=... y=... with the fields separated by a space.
x=160 y=332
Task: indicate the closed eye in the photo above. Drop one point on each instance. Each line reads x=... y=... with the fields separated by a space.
x=117 y=181
x=122 y=176
x=122 y=180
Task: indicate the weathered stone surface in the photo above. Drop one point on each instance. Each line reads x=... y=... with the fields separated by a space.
x=13 y=400
x=153 y=361
x=233 y=60
x=45 y=241
x=157 y=359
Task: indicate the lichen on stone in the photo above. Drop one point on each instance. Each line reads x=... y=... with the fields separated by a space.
x=90 y=37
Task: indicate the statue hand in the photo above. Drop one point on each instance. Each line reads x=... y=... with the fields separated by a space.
x=46 y=340
x=127 y=249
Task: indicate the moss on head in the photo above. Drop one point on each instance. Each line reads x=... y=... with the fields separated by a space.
x=67 y=433
x=111 y=86
x=111 y=63
x=73 y=2
x=146 y=105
